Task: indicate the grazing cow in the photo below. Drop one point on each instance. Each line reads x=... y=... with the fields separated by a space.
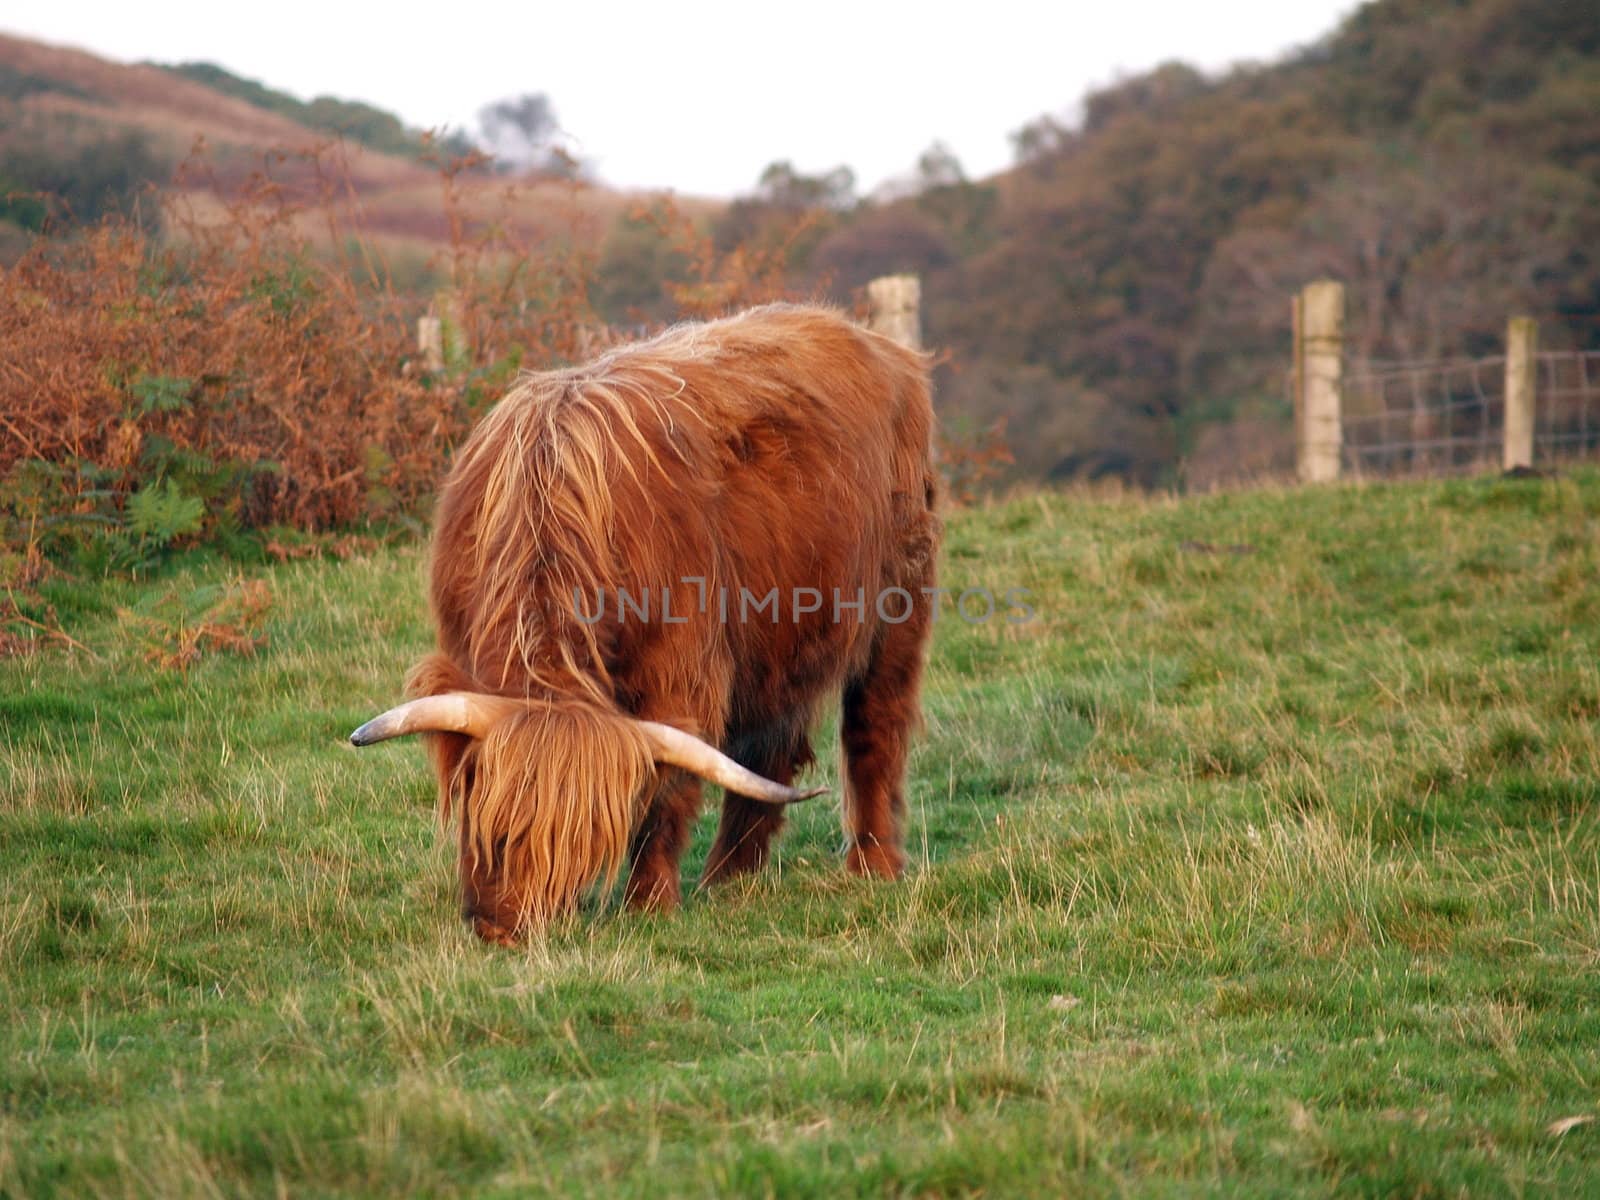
x=650 y=571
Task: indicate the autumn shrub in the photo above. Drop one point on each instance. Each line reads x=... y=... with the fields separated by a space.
x=257 y=369
x=175 y=392
x=242 y=374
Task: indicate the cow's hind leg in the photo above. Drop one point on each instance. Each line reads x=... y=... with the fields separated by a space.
x=748 y=826
x=878 y=712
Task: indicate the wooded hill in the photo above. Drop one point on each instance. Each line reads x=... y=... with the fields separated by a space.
x=82 y=138
x=1122 y=296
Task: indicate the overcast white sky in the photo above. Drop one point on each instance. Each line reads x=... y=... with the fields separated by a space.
x=700 y=96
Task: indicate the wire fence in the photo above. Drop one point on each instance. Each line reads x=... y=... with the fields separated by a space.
x=1448 y=417
x=1567 y=419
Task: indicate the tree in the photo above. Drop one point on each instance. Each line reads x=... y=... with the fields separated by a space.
x=939 y=167
x=885 y=241
x=639 y=262
x=522 y=132
x=1040 y=138
x=1164 y=89
x=784 y=187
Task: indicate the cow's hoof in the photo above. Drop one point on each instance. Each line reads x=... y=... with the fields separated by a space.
x=489 y=931
x=874 y=860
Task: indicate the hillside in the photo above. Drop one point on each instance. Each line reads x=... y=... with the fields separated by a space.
x=1122 y=295
x=353 y=120
x=93 y=133
x=1263 y=862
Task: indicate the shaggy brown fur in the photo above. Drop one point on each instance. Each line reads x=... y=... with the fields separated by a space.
x=784 y=448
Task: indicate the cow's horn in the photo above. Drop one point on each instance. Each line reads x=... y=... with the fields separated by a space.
x=453 y=712
x=680 y=749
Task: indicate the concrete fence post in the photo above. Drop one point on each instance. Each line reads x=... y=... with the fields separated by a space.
x=896 y=308
x=1522 y=347
x=1319 y=358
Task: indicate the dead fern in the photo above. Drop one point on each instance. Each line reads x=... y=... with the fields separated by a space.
x=177 y=629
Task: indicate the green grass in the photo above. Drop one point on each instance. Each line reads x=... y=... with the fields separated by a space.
x=1236 y=872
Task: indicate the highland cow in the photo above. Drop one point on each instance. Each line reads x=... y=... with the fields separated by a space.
x=650 y=571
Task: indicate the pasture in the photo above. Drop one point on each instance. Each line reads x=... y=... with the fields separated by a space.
x=1265 y=859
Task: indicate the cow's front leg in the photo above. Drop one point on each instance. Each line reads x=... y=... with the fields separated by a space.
x=659 y=841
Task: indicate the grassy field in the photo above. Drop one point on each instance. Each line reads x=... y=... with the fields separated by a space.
x=1264 y=860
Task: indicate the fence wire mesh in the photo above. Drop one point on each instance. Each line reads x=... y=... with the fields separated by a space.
x=1448 y=417
x=1567 y=407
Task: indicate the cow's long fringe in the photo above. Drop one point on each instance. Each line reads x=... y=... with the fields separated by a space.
x=547 y=801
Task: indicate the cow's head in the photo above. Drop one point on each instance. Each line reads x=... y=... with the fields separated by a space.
x=547 y=793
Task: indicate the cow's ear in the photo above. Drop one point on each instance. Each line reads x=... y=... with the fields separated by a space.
x=673 y=746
